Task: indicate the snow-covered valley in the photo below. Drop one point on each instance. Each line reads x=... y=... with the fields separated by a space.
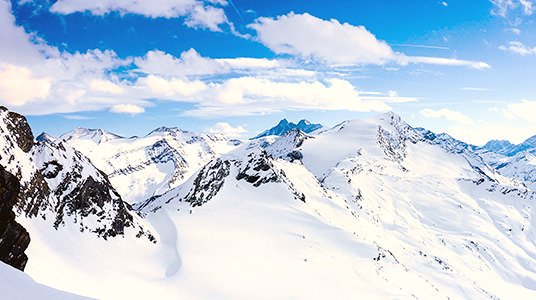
x=367 y=209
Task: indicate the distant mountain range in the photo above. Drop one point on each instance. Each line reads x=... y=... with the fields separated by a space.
x=285 y=126
x=506 y=148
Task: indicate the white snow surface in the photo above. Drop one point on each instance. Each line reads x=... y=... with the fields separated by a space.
x=373 y=210
x=142 y=167
x=15 y=285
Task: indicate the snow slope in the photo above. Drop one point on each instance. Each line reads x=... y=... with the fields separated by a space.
x=15 y=285
x=376 y=209
x=368 y=209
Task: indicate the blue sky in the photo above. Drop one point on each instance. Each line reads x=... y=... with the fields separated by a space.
x=462 y=67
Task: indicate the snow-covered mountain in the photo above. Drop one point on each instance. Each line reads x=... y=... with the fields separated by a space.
x=284 y=126
x=96 y=135
x=379 y=208
x=140 y=168
x=367 y=209
x=59 y=185
x=517 y=162
x=502 y=147
x=508 y=149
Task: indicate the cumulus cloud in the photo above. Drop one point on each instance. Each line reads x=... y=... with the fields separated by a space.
x=448 y=114
x=191 y=63
x=309 y=37
x=208 y=17
x=127 y=109
x=250 y=95
x=228 y=130
x=524 y=110
x=335 y=43
x=18 y=85
x=171 y=88
x=62 y=82
x=198 y=14
x=18 y=47
x=519 y=48
x=105 y=86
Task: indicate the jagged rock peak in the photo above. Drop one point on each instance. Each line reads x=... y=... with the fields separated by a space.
x=499 y=146
x=45 y=137
x=18 y=128
x=284 y=126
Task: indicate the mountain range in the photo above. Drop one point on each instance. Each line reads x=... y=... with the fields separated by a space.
x=285 y=126
x=506 y=148
x=369 y=208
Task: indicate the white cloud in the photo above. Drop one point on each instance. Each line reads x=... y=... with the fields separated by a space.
x=329 y=41
x=208 y=17
x=172 y=88
x=504 y=7
x=524 y=110
x=444 y=3
x=18 y=85
x=191 y=63
x=450 y=115
x=198 y=14
x=227 y=130
x=482 y=132
x=309 y=37
x=514 y=30
x=475 y=89
x=105 y=86
x=527 y=6
x=403 y=59
x=64 y=82
x=518 y=48
x=127 y=109
x=18 y=47
x=77 y=117
x=250 y=95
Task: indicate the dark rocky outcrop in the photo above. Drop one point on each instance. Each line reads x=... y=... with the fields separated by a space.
x=14 y=239
x=208 y=182
x=21 y=131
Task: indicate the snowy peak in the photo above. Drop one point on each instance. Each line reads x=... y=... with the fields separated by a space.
x=528 y=144
x=499 y=146
x=506 y=148
x=60 y=185
x=284 y=126
x=286 y=146
x=96 y=135
x=166 y=130
x=45 y=137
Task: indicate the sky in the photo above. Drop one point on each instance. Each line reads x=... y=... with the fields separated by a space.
x=466 y=68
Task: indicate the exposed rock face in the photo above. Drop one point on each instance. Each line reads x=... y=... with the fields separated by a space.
x=208 y=182
x=14 y=239
x=258 y=169
x=83 y=192
x=21 y=131
x=59 y=184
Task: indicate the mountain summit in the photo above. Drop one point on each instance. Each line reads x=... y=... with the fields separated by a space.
x=508 y=149
x=285 y=126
